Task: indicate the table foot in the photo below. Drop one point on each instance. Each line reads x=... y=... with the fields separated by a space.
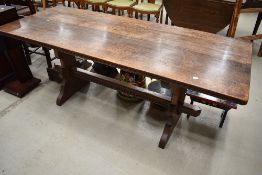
x=19 y=89
x=69 y=88
x=70 y=83
x=168 y=130
x=177 y=102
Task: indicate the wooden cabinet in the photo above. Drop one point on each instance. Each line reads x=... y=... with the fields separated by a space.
x=6 y=71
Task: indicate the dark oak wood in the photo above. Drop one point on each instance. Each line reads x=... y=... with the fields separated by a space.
x=137 y=91
x=7 y=14
x=205 y=15
x=180 y=54
x=182 y=57
x=20 y=89
x=177 y=100
x=70 y=83
x=14 y=60
x=6 y=71
x=24 y=81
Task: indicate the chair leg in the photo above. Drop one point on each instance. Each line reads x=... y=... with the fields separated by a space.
x=161 y=16
x=166 y=21
x=119 y=12
x=191 y=102
x=104 y=8
x=136 y=15
x=157 y=18
x=223 y=117
x=260 y=51
x=97 y=8
x=130 y=13
x=27 y=54
x=54 y=3
x=148 y=17
x=259 y=18
x=48 y=58
x=141 y=16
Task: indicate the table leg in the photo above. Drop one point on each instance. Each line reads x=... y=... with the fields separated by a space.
x=177 y=101
x=70 y=83
x=44 y=4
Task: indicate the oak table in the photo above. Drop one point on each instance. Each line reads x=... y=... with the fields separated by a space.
x=185 y=58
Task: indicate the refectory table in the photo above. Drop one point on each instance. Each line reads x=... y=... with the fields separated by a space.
x=185 y=58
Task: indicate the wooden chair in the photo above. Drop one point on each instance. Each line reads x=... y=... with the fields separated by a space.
x=81 y=4
x=254 y=6
x=55 y=2
x=150 y=8
x=44 y=3
x=209 y=16
x=120 y=6
x=205 y=15
x=96 y=4
x=211 y=101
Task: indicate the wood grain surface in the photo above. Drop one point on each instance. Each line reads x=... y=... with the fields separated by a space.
x=206 y=62
x=205 y=15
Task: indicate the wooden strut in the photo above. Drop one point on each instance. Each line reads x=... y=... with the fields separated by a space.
x=251 y=37
x=70 y=83
x=177 y=101
x=75 y=79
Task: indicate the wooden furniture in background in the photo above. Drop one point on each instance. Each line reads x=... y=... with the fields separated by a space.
x=120 y=6
x=211 y=101
x=208 y=16
x=23 y=7
x=205 y=15
x=150 y=8
x=57 y=1
x=96 y=4
x=161 y=48
x=81 y=4
x=6 y=72
x=12 y=52
x=254 y=6
x=54 y=3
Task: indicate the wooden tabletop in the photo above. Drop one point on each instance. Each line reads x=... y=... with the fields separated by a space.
x=206 y=62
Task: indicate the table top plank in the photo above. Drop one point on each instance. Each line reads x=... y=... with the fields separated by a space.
x=210 y=63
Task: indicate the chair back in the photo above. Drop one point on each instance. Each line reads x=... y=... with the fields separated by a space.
x=205 y=15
